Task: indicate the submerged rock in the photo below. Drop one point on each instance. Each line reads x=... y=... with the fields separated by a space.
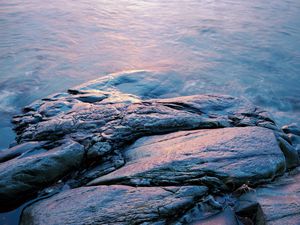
x=110 y=131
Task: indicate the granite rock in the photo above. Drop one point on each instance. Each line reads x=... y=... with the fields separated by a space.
x=123 y=131
x=26 y=175
x=280 y=200
x=213 y=157
x=114 y=205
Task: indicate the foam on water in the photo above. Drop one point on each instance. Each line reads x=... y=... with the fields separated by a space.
x=6 y=101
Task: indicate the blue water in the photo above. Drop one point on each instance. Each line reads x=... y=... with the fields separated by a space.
x=236 y=47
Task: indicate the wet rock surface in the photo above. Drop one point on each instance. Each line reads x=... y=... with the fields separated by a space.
x=26 y=175
x=280 y=200
x=214 y=157
x=115 y=204
x=111 y=152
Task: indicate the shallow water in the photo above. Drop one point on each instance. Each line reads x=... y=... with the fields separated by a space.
x=236 y=47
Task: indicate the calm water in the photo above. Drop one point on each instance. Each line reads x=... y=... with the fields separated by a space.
x=237 y=47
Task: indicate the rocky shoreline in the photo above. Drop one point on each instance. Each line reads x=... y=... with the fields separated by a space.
x=111 y=152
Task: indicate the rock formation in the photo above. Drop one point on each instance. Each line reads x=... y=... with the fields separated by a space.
x=112 y=151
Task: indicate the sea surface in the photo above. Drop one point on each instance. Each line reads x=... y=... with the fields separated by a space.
x=235 y=47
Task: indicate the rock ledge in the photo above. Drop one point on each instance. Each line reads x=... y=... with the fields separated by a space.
x=106 y=153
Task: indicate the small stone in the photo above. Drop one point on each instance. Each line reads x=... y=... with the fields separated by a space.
x=248 y=209
x=292 y=128
x=224 y=217
x=291 y=155
x=90 y=98
x=294 y=139
x=98 y=150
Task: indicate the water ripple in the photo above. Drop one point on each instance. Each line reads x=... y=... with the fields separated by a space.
x=242 y=48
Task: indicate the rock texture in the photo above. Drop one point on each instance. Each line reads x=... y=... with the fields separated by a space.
x=280 y=200
x=115 y=205
x=28 y=174
x=217 y=158
x=180 y=160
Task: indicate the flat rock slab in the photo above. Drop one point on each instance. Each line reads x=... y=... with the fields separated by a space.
x=114 y=205
x=213 y=157
x=280 y=200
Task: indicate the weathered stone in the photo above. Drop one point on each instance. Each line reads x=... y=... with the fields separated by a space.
x=101 y=106
x=241 y=207
x=114 y=205
x=232 y=155
x=225 y=217
x=98 y=149
x=101 y=118
x=18 y=150
x=280 y=200
x=120 y=119
x=22 y=176
x=295 y=140
x=280 y=134
x=126 y=120
x=143 y=83
x=248 y=209
x=92 y=97
x=101 y=167
x=291 y=155
x=269 y=125
x=22 y=121
x=291 y=129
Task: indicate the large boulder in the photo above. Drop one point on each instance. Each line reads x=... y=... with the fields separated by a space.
x=116 y=130
x=30 y=147
x=146 y=84
x=114 y=205
x=229 y=156
x=28 y=174
x=105 y=122
x=107 y=107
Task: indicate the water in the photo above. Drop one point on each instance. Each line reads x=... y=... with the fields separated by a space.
x=236 y=47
